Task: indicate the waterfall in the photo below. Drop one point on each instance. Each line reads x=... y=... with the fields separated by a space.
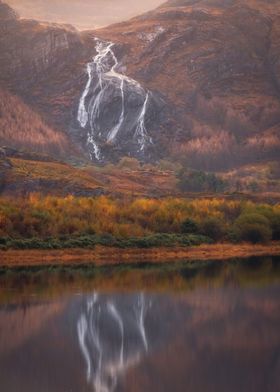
x=113 y=133
x=141 y=132
x=82 y=112
x=103 y=74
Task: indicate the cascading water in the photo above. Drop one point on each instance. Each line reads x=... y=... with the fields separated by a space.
x=141 y=132
x=104 y=80
x=112 y=338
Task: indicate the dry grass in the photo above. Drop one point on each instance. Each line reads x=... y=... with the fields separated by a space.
x=57 y=173
x=139 y=182
x=109 y=256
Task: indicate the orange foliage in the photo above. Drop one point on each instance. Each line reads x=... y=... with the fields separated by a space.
x=39 y=216
x=22 y=128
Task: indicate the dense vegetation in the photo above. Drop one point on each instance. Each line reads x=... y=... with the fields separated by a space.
x=38 y=222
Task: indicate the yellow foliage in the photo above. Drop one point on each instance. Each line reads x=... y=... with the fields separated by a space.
x=54 y=216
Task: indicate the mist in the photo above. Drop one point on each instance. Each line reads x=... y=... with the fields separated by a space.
x=85 y=14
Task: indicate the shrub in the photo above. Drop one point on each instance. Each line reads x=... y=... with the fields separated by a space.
x=106 y=240
x=254 y=233
x=3 y=241
x=189 y=227
x=128 y=163
x=199 y=181
x=275 y=225
x=213 y=228
x=197 y=239
x=253 y=228
x=252 y=218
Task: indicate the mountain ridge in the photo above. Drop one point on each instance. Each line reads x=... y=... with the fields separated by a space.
x=213 y=81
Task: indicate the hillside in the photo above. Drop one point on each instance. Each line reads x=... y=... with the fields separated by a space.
x=37 y=64
x=22 y=128
x=216 y=65
x=22 y=173
x=192 y=81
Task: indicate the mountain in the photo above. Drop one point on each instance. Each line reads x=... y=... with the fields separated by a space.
x=216 y=65
x=194 y=81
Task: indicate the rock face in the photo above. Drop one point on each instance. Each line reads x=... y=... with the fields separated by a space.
x=196 y=81
x=114 y=109
x=36 y=61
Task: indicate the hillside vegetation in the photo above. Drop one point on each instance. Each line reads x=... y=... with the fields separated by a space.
x=20 y=127
x=84 y=222
x=21 y=176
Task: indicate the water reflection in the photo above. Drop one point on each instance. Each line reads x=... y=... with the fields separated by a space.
x=220 y=333
x=112 y=337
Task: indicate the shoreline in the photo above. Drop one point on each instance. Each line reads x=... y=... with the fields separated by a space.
x=105 y=256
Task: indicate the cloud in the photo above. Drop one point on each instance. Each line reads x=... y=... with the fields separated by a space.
x=83 y=14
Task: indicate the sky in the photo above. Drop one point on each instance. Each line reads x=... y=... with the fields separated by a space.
x=83 y=14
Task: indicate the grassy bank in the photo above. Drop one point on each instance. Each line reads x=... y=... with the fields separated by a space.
x=102 y=256
x=107 y=240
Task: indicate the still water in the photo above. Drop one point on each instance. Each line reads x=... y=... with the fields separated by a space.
x=200 y=327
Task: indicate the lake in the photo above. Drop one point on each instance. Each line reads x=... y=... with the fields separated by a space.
x=174 y=328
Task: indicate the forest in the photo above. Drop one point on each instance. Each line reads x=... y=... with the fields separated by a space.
x=57 y=222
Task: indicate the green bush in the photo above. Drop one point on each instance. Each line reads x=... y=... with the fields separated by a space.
x=255 y=233
x=252 y=227
x=189 y=227
x=275 y=225
x=3 y=241
x=159 y=240
x=106 y=240
x=199 y=181
x=198 y=239
x=213 y=228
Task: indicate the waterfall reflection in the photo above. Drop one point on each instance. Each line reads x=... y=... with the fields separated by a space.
x=112 y=337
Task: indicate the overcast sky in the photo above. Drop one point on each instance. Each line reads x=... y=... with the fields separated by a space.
x=84 y=14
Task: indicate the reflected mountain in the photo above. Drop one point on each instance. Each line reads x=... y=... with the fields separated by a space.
x=20 y=322
x=209 y=339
